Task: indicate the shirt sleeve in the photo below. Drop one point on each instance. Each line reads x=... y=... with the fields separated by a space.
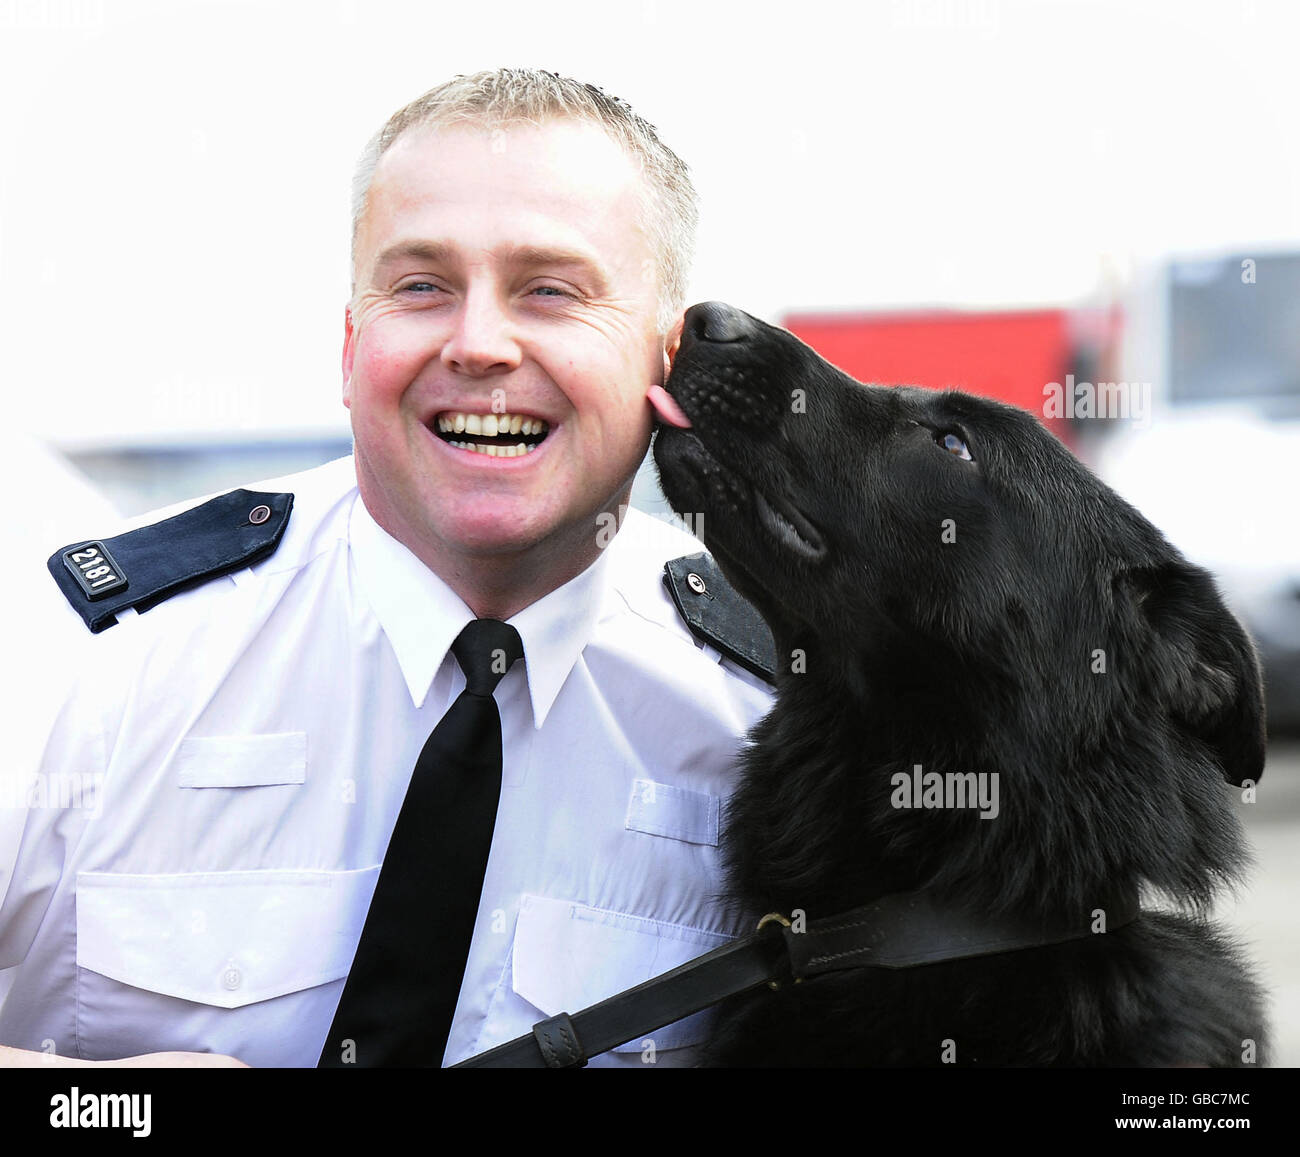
x=51 y=771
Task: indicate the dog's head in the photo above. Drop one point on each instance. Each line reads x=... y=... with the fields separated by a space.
x=931 y=544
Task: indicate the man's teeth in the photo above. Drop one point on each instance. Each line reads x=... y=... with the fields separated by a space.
x=495 y=451
x=493 y=426
x=490 y=425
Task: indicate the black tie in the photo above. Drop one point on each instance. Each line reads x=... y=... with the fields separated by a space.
x=401 y=993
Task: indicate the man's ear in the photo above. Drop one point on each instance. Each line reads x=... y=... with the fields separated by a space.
x=349 y=350
x=672 y=343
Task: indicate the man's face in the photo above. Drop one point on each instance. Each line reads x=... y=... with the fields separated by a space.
x=501 y=275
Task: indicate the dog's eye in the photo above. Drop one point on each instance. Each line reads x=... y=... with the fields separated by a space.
x=954 y=443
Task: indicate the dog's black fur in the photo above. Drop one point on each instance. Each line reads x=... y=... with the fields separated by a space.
x=1049 y=634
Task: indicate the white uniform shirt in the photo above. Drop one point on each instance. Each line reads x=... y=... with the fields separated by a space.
x=240 y=754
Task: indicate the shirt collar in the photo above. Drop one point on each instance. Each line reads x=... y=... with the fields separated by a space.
x=421 y=615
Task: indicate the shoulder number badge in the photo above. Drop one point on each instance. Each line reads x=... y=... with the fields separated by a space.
x=94 y=569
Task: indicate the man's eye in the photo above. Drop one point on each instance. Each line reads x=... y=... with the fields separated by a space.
x=419 y=286
x=550 y=291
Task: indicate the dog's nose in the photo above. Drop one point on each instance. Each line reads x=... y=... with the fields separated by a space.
x=718 y=322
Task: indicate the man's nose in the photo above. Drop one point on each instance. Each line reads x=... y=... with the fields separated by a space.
x=482 y=340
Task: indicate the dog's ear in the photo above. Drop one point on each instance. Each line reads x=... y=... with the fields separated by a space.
x=1202 y=664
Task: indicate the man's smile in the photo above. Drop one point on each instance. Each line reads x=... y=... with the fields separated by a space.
x=508 y=448
x=496 y=435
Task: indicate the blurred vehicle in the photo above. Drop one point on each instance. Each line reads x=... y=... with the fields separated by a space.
x=1005 y=354
x=1217 y=342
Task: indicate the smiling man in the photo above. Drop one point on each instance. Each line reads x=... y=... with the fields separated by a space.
x=520 y=249
x=502 y=337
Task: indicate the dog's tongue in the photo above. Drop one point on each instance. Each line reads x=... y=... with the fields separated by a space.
x=667 y=408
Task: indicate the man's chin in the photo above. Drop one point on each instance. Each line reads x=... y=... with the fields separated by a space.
x=510 y=531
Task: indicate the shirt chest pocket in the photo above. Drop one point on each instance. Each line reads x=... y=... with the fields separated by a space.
x=660 y=809
x=215 y=961
x=242 y=760
x=569 y=956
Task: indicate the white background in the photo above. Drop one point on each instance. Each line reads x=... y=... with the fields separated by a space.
x=174 y=192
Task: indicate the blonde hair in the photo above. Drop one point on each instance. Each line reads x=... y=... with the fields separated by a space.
x=506 y=96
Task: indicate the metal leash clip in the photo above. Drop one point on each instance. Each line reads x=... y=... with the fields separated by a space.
x=775 y=918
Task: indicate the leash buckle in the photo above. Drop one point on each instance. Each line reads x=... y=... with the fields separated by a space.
x=558 y=1042
x=775 y=918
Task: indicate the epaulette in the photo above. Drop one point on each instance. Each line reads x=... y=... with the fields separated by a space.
x=718 y=614
x=146 y=566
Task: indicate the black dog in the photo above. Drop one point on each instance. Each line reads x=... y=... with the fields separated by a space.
x=952 y=592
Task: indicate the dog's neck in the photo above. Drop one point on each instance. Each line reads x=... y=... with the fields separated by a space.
x=834 y=809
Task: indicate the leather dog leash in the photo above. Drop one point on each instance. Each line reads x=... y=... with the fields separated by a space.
x=903 y=930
